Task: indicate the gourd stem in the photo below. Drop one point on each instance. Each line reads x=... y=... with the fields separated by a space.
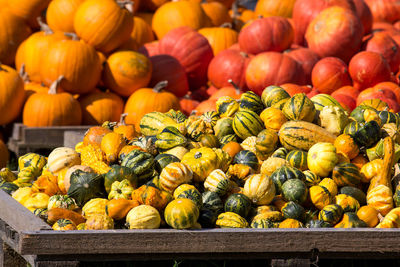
x=72 y=35
x=127 y=4
x=54 y=86
x=122 y=118
x=227 y=25
x=234 y=86
x=159 y=86
x=23 y=74
x=44 y=27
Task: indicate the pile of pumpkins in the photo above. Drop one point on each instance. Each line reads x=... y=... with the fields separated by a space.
x=98 y=59
x=260 y=162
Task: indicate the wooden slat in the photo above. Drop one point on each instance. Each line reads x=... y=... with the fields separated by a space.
x=212 y=241
x=17 y=216
x=71 y=138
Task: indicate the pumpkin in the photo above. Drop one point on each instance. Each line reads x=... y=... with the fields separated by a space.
x=119 y=208
x=98 y=107
x=61 y=201
x=14 y=32
x=156 y=100
x=291 y=223
x=12 y=94
x=369 y=215
x=175 y=174
x=384 y=10
x=181 y=213
x=273 y=118
x=260 y=189
x=142 y=164
x=350 y=220
x=150 y=195
x=336 y=31
x=143 y=217
x=331 y=214
x=272 y=8
x=85 y=186
x=231 y=220
x=202 y=161
x=306 y=58
x=345 y=144
x=293 y=210
x=231 y=91
x=64 y=225
x=220 y=38
x=217 y=12
x=294 y=190
x=191 y=49
x=60 y=14
x=283 y=174
x=297 y=159
x=321 y=159
x=270 y=68
x=218 y=182
x=99 y=222
x=266 y=34
x=140 y=35
x=320 y=196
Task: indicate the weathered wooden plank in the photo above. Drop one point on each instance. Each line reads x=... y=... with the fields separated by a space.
x=71 y=138
x=8 y=257
x=56 y=264
x=212 y=241
x=17 y=216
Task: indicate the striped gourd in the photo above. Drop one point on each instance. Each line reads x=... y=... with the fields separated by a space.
x=249 y=143
x=154 y=122
x=228 y=138
x=303 y=135
x=210 y=118
x=27 y=175
x=348 y=203
x=268 y=219
x=192 y=194
x=181 y=213
x=358 y=113
x=177 y=115
x=375 y=103
x=280 y=153
x=346 y=174
x=251 y=101
x=330 y=185
x=331 y=213
x=169 y=138
x=311 y=178
x=266 y=143
x=238 y=203
x=247 y=123
x=291 y=223
x=142 y=164
x=389 y=117
x=274 y=96
x=323 y=100
x=227 y=106
x=320 y=196
x=381 y=198
x=246 y=157
x=181 y=188
x=212 y=201
x=217 y=182
x=195 y=127
x=8 y=187
x=351 y=128
x=260 y=189
x=294 y=190
x=231 y=220
x=162 y=160
x=32 y=160
x=175 y=174
x=223 y=127
x=284 y=173
x=297 y=159
x=293 y=210
x=299 y=107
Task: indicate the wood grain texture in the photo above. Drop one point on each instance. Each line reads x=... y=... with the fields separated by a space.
x=212 y=241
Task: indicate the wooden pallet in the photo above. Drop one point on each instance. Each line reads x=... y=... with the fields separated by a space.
x=29 y=139
x=34 y=240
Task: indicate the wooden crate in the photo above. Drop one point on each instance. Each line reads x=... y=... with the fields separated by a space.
x=34 y=240
x=29 y=139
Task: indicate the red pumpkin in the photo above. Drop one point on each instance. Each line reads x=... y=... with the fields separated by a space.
x=329 y=74
x=346 y=101
x=348 y=91
x=375 y=93
x=367 y=69
x=188 y=104
x=207 y=105
x=313 y=92
x=383 y=43
x=365 y=15
x=304 y=11
x=382 y=26
x=231 y=91
x=395 y=88
x=306 y=58
x=293 y=89
x=192 y=50
x=168 y=68
x=396 y=25
x=150 y=49
x=228 y=65
x=384 y=10
x=272 y=68
x=266 y=34
x=335 y=32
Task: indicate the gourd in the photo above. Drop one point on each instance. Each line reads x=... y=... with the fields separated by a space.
x=323 y=100
x=299 y=107
x=209 y=140
x=273 y=118
x=120 y=190
x=333 y=119
x=293 y=210
x=330 y=185
x=346 y=174
x=246 y=157
x=251 y=101
x=369 y=215
x=181 y=213
x=266 y=143
x=85 y=186
x=318 y=224
x=247 y=123
x=111 y=145
x=274 y=96
x=311 y=178
x=272 y=164
x=95 y=206
x=331 y=214
x=322 y=158
x=55 y=214
x=268 y=219
x=260 y=189
x=162 y=160
x=153 y=123
x=212 y=201
x=297 y=159
x=350 y=220
x=238 y=203
x=119 y=208
x=67 y=178
x=64 y=225
x=320 y=196
x=143 y=217
x=294 y=190
x=169 y=138
x=348 y=203
x=32 y=160
x=345 y=144
x=99 y=222
x=291 y=223
x=283 y=174
x=152 y=196
x=226 y=106
x=356 y=193
x=119 y=173
x=142 y=164
x=202 y=161
x=223 y=127
x=36 y=201
x=231 y=220
x=175 y=174
x=62 y=157
x=368 y=134
x=61 y=201
x=218 y=182
x=7 y=175
x=189 y=192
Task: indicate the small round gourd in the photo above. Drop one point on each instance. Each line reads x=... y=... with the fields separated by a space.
x=226 y=106
x=293 y=210
x=345 y=144
x=356 y=193
x=162 y=160
x=143 y=217
x=260 y=189
x=217 y=182
x=181 y=213
x=320 y=196
x=346 y=174
x=266 y=219
x=212 y=201
x=251 y=101
x=280 y=153
x=369 y=215
x=247 y=123
x=331 y=213
x=99 y=222
x=295 y=190
x=246 y=157
x=64 y=225
x=272 y=164
x=283 y=174
x=190 y=193
x=348 y=203
x=297 y=159
x=274 y=96
x=62 y=157
x=389 y=117
x=231 y=220
x=266 y=142
x=318 y=224
x=291 y=223
x=299 y=107
x=311 y=178
x=175 y=174
x=202 y=161
x=238 y=203
x=322 y=158
x=329 y=184
x=273 y=118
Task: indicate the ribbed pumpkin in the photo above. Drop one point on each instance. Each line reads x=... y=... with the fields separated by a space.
x=216 y=12
x=56 y=109
x=202 y=161
x=247 y=123
x=220 y=38
x=267 y=8
x=181 y=213
x=12 y=94
x=77 y=61
x=60 y=14
x=98 y=107
x=321 y=159
x=299 y=107
x=104 y=24
x=175 y=174
x=176 y=14
x=13 y=32
x=141 y=34
x=384 y=10
x=260 y=189
x=143 y=217
x=147 y=100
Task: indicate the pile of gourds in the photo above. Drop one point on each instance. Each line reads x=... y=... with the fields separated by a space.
x=260 y=162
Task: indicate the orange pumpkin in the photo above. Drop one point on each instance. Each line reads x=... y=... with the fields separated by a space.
x=12 y=94
x=220 y=38
x=147 y=100
x=29 y=10
x=152 y=196
x=152 y=5
x=98 y=107
x=188 y=104
x=13 y=31
x=369 y=215
x=207 y=105
x=282 y=8
x=384 y=10
x=179 y=13
x=4 y=154
x=60 y=14
x=119 y=208
x=141 y=33
x=31 y=51
x=77 y=61
x=232 y=148
x=46 y=184
x=56 y=109
x=127 y=71
x=345 y=144
x=126 y=130
x=217 y=13
x=105 y=24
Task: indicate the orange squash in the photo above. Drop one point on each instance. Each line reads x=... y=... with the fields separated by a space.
x=126 y=130
x=28 y=10
x=119 y=208
x=232 y=148
x=141 y=34
x=46 y=184
x=55 y=214
x=217 y=13
x=345 y=144
x=111 y=145
x=220 y=38
x=369 y=215
x=60 y=14
x=152 y=196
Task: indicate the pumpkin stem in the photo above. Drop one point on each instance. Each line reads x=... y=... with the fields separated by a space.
x=54 y=86
x=227 y=25
x=23 y=73
x=122 y=118
x=159 y=86
x=244 y=54
x=127 y=4
x=44 y=27
x=234 y=86
x=73 y=36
